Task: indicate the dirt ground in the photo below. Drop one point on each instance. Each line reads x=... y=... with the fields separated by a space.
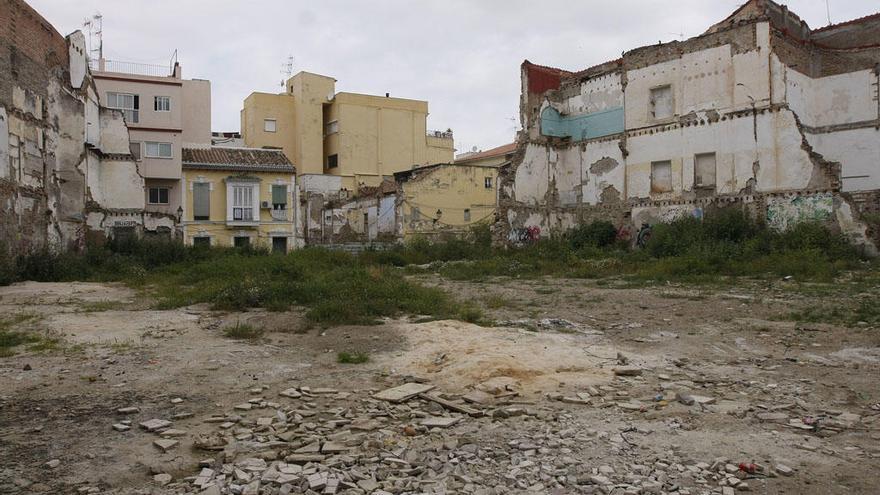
x=782 y=392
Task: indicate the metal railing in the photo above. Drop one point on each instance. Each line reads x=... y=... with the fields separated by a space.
x=131 y=68
x=447 y=134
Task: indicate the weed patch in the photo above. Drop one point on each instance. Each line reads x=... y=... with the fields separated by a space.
x=243 y=331
x=352 y=357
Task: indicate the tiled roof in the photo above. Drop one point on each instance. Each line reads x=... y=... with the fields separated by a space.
x=245 y=159
x=499 y=151
x=386 y=187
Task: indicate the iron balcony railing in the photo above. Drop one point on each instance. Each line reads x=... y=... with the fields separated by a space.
x=131 y=68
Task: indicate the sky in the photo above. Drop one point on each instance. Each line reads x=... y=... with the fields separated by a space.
x=462 y=56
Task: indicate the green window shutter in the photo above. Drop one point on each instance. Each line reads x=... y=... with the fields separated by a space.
x=279 y=195
x=201 y=201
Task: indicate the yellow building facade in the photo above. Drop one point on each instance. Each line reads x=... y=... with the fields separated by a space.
x=446 y=198
x=237 y=197
x=361 y=138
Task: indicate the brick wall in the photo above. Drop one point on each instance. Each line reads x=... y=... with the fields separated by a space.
x=32 y=53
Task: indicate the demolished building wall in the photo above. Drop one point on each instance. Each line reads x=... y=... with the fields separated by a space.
x=750 y=112
x=65 y=163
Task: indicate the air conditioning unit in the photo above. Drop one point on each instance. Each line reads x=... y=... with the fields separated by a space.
x=265 y=205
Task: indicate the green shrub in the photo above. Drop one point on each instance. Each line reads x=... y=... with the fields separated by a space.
x=596 y=234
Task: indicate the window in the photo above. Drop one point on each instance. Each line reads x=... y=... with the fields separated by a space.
x=158 y=150
x=128 y=103
x=201 y=201
x=241 y=241
x=661 y=104
x=333 y=161
x=331 y=128
x=488 y=183
x=661 y=176
x=243 y=203
x=135 y=148
x=366 y=223
x=162 y=103
x=279 y=245
x=158 y=195
x=467 y=215
x=415 y=214
x=269 y=125
x=704 y=170
x=203 y=241
x=279 y=197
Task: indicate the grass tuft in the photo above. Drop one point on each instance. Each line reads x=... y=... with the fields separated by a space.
x=352 y=358
x=243 y=331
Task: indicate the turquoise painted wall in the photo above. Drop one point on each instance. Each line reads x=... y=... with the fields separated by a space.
x=581 y=127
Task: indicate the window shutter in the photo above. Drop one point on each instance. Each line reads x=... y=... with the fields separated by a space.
x=201 y=199
x=279 y=195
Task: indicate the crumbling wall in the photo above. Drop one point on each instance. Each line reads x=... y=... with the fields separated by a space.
x=769 y=129
x=55 y=168
x=33 y=64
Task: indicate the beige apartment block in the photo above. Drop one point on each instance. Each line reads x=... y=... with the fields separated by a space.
x=361 y=138
x=164 y=113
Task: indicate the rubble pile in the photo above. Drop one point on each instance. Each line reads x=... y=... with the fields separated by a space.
x=414 y=439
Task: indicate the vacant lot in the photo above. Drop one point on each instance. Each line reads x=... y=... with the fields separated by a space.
x=773 y=372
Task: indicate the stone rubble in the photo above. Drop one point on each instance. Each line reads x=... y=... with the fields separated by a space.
x=406 y=440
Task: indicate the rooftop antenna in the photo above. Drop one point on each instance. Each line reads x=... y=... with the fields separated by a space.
x=828 y=10
x=95 y=27
x=287 y=69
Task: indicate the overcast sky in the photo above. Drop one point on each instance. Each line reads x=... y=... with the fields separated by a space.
x=462 y=56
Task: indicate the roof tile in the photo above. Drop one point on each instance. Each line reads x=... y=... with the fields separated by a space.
x=226 y=158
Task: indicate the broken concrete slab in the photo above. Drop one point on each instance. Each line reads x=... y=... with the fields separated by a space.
x=439 y=422
x=155 y=424
x=162 y=479
x=403 y=392
x=291 y=393
x=627 y=371
x=452 y=405
x=478 y=397
x=165 y=445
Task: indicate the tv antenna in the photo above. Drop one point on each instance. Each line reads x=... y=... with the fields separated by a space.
x=95 y=27
x=287 y=69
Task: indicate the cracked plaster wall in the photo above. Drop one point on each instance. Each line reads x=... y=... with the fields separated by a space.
x=736 y=100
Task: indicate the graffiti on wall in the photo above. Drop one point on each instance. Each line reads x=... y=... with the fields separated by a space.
x=785 y=212
x=525 y=235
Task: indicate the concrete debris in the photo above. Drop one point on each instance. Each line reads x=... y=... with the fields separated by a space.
x=627 y=371
x=162 y=479
x=403 y=392
x=165 y=445
x=155 y=424
x=404 y=442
